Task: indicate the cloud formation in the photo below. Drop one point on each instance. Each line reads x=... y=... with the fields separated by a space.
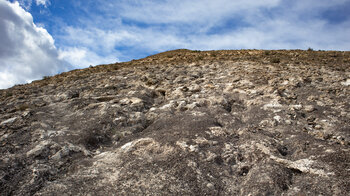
x=27 y=4
x=131 y=29
x=27 y=52
x=191 y=12
x=81 y=57
x=44 y=3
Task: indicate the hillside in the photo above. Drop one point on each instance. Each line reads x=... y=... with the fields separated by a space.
x=183 y=122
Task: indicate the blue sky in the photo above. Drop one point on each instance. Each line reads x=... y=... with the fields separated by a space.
x=61 y=35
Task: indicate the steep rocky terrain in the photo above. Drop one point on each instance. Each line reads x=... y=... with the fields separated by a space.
x=183 y=122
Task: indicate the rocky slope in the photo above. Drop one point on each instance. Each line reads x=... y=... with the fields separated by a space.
x=183 y=123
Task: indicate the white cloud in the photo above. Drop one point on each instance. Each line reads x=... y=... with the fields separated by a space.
x=83 y=57
x=96 y=38
x=111 y=31
x=277 y=33
x=27 y=52
x=44 y=3
x=154 y=26
x=26 y=4
x=91 y=46
x=187 y=11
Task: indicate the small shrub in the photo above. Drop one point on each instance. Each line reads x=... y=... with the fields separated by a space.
x=104 y=99
x=22 y=107
x=266 y=52
x=161 y=92
x=151 y=82
x=94 y=140
x=8 y=94
x=275 y=60
x=117 y=134
x=310 y=49
x=334 y=55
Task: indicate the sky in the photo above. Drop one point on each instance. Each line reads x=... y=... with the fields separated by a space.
x=45 y=37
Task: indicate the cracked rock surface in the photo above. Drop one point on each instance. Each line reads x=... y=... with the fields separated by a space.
x=183 y=123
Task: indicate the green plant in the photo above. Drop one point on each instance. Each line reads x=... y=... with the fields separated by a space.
x=310 y=49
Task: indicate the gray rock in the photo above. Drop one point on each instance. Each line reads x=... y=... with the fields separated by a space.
x=8 y=121
x=182 y=123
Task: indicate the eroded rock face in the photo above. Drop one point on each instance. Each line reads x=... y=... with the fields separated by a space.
x=183 y=123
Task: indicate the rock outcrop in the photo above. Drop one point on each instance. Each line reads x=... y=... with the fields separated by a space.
x=245 y=122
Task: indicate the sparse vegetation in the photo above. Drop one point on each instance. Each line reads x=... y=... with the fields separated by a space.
x=22 y=107
x=267 y=52
x=275 y=60
x=188 y=56
x=8 y=94
x=105 y=99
